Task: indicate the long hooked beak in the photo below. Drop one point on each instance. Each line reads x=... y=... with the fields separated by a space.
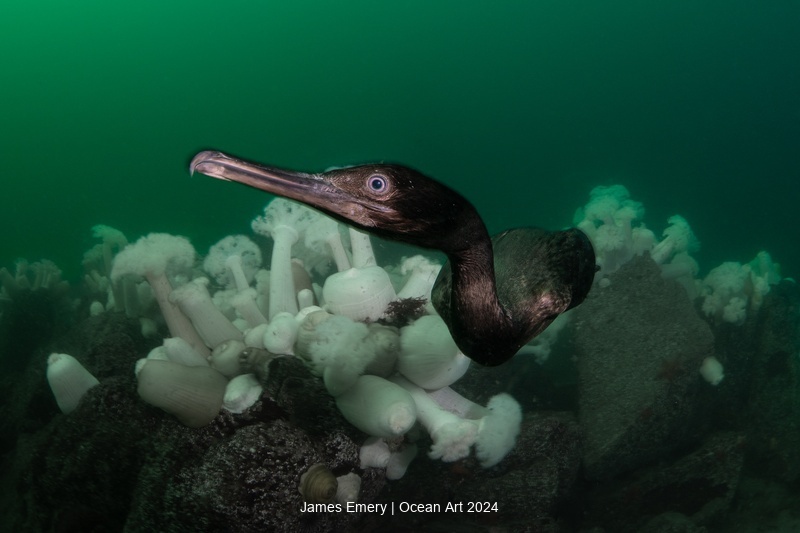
x=316 y=190
x=300 y=186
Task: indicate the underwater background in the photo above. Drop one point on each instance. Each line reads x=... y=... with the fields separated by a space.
x=522 y=106
x=665 y=405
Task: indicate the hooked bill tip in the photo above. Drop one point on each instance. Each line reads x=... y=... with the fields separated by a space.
x=205 y=157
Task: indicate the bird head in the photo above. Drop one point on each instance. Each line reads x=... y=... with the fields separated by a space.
x=392 y=201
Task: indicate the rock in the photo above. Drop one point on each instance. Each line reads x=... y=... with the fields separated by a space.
x=772 y=416
x=639 y=346
x=695 y=490
x=528 y=485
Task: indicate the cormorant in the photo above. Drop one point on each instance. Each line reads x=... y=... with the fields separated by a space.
x=495 y=294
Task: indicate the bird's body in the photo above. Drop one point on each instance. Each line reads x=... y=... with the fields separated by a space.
x=539 y=274
x=495 y=294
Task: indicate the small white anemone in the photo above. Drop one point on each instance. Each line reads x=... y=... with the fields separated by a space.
x=68 y=380
x=399 y=462
x=378 y=407
x=193 y=394
x=226 y=358
x=241 y=393
x=498 y=430
x=428 y=355
x=195 y=301
x=362 y=294
x=712 y=370
x=348 y=488
x=233 y=261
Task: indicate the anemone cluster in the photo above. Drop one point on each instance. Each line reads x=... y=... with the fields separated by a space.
x=613 y=222
x=368 y=333
x=39 y=275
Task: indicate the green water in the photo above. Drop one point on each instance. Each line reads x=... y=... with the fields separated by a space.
x=521 y=105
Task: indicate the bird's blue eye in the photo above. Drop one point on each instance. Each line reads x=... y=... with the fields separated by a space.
x=376 y=183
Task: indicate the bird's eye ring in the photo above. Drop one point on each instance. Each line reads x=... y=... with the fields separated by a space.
x=377 y=183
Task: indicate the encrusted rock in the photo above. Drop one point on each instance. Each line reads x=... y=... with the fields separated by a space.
x=640 y=345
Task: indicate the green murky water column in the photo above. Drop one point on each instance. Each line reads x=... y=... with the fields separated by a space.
x=523 y=106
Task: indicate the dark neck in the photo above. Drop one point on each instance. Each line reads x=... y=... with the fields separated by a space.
x=477 y=317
